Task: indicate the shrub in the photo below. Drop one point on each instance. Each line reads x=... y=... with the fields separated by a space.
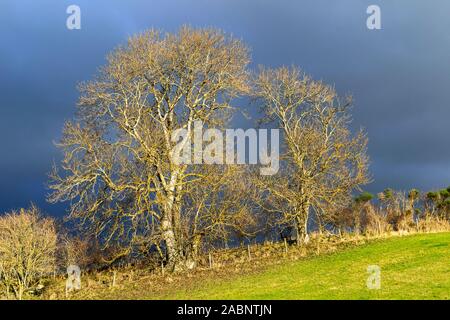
x=388 y=193
x=433 y=196
x=373 y=222
x=364 y=197
x=27 y=250
x=413 y=194
x=444 y=193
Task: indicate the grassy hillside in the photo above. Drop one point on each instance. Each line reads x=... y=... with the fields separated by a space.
x=412 y=267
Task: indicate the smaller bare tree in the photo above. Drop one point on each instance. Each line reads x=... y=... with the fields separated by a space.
x=27 y=250
x=322 y=162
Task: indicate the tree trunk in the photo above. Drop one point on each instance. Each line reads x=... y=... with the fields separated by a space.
x=302 y=222
x=174 y=254
x=192 y=255
x=171 y=244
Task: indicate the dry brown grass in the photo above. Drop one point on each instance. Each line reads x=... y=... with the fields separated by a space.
x=432 y=224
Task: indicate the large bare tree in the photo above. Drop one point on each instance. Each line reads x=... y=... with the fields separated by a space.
x=321 y=162
x=118 y=172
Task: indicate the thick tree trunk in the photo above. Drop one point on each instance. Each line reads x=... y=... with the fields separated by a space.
x=180 y=255
x=174 y=254
x=302 y=222
x=170 y=223
x=171 y=244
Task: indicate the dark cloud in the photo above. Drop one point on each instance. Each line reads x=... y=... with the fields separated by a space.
x=399 y=76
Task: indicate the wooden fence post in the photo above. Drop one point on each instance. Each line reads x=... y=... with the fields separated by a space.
x=114 y=278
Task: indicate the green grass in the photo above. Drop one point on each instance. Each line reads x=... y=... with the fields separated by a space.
x=412 y=267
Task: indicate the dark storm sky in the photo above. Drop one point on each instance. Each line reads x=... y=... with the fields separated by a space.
x=399 y=76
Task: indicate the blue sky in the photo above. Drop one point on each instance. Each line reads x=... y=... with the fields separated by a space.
x=399 y=76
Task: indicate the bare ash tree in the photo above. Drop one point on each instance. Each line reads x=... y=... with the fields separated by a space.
x=322 y=163
x=117 y=171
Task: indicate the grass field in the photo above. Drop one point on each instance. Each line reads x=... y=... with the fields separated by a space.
x=412 y=267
